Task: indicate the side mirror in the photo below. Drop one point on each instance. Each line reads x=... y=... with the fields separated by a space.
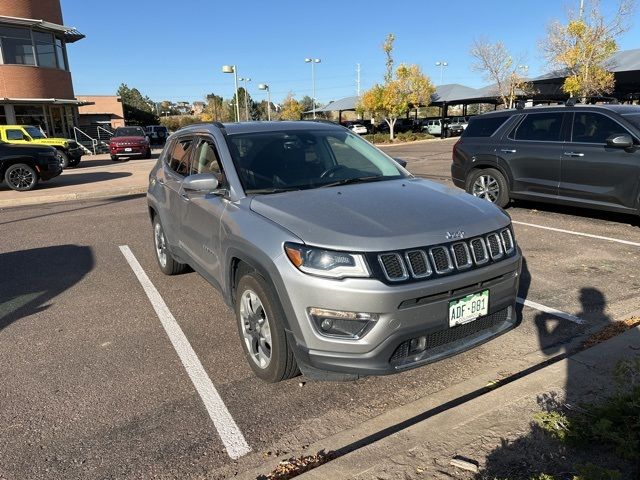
x=200 y=182
x=403 y=163
x=620 y=141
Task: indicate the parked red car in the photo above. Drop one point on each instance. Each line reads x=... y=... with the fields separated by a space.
x=129 y=142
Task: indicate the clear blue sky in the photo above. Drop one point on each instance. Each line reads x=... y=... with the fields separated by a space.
x=174 y=50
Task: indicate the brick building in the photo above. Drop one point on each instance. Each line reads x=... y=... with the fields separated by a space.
x=35 y=80
x=104 y=110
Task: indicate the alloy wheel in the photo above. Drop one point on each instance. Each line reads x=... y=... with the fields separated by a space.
x=161 y=244
x=486 y=187
x=255 y=328
x=21 y=178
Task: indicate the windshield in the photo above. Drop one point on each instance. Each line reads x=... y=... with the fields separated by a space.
x=634 y=118
x=35 y=132
x=271 y=162
x=129 y=132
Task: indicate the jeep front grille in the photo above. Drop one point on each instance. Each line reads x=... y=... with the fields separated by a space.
x=424 y=262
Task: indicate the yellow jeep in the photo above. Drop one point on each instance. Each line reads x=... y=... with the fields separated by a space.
x=68 y=151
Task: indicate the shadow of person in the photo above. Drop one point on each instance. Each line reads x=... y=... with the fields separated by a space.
x=538 y=452
x=523 y=289
x=32 y=278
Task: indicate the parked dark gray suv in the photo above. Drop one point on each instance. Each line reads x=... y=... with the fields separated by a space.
x=580 y=155
x=333 y=257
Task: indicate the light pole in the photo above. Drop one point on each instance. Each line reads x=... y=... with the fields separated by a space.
x=442 y=64
x=313 y=61
x=525 y=69
x=264 y=86
x=246 y=101
x=234 y=70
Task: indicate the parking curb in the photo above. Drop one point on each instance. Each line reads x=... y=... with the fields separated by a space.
x=67 y=197
x=368 y=455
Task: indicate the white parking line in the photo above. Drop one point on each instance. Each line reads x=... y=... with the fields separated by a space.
x=571 y=232
x=552 y=311
x=229 y=432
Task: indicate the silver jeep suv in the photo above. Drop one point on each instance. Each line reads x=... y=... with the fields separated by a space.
x=337 y=261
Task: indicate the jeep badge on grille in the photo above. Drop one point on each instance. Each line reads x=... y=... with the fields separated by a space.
x=455 y=235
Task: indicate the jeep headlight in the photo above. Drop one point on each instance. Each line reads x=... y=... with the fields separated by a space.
x=326 y=263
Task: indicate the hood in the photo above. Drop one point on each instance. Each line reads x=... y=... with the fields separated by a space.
x=26 y=147
x=379 y=216
x=130 y=139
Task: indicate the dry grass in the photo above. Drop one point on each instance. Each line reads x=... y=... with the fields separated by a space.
x=296 y=466
x=610 y=331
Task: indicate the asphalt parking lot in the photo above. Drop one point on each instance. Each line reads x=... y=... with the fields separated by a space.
x=92 y=386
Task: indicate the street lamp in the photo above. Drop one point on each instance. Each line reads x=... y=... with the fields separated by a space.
x=313 y=61
x=234 y=70
x=264 y=86
x=246 y=101
x=442 y=64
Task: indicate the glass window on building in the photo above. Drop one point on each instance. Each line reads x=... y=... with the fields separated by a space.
x=30 y=115
x=45 y=49
x=62 y=62
x=16 y=46
x=3 y=115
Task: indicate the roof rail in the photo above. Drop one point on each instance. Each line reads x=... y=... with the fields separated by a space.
x=571 y=101
x=610 y=100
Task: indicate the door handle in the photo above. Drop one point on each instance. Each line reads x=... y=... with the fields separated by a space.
x=574 y=154
x=185 y=197
x=508 y=150
x=161 y=181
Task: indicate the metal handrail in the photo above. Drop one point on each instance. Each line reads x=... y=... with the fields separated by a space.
x=94 y=142
x=98 y=128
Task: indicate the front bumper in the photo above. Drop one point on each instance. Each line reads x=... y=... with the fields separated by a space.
x=75 y=153
x=133 y=151
x=49 y=169
x=405 y=312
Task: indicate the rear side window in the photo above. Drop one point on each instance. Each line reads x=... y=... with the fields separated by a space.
x=589 y=127
x=178 y=159
x=541 y=127
x=14 y=135
x=484 y=126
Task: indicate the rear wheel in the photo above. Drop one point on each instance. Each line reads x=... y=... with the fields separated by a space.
x=261 y=328
x=489 y=184
x=148 y=153
x=63 y=158
x=20 y=177
x=166 y=262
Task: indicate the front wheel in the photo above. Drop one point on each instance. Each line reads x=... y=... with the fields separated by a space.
x=261 y=328
x=166 y=262
x=147 y=154
x=114 y=158
x=63 y=158
x=20 y=177
x=490 y=185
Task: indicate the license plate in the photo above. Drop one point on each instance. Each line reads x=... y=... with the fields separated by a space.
x=467 y=309
x=127 y=149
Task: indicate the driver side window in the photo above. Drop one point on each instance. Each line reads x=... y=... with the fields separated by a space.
x=178 y=159
x=207 y=160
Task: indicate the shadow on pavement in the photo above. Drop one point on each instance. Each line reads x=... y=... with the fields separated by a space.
x=82 y=179
x=626 y=219
x=31 y=279
x=538 y=452
x=102 y=162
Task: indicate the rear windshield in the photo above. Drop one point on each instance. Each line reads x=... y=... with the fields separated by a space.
x=484 y=126
x=129 y=132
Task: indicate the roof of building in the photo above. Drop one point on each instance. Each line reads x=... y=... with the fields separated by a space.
x=623 y=61
x=346 y=103
x=70 y=33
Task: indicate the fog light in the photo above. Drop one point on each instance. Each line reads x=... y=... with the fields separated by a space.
x=417 y=345
x=337 y=323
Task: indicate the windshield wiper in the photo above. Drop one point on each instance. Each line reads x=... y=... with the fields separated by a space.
x=348 y=181
x=266 y=191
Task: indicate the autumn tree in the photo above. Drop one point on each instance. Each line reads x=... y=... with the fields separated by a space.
x=583 y=46
x=291 y=108
x=499 y=67
x=403 y=88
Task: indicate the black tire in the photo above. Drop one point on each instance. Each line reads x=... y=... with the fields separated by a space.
x=75 y=162
x=147 y=155
x=63 y=158
x=168 y=265
x=21 y=177
x=282 y=363
x=496 y=189
x=114 y=158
